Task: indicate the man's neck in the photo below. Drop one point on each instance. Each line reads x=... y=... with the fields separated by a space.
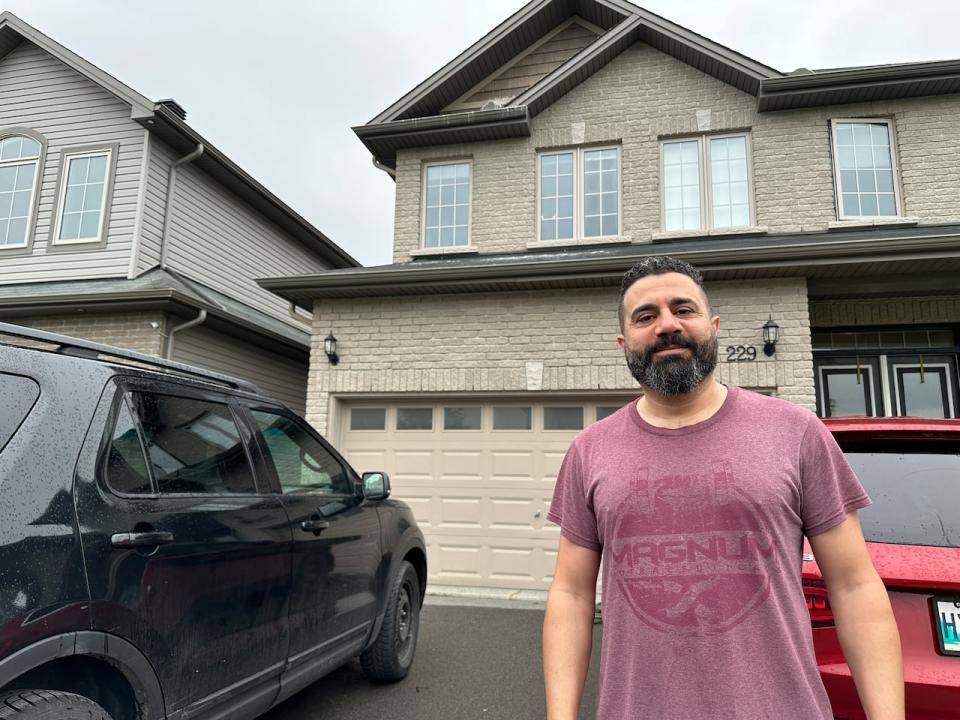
x=677 y=411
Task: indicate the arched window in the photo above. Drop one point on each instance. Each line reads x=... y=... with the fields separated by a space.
x=19 y=163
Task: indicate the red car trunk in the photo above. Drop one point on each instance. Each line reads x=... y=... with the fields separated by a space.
x=911 y=468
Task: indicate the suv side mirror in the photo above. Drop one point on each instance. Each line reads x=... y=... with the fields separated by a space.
x=376 y=486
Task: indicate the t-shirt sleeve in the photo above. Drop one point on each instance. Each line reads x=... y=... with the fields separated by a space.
x=570 y=508
x=829 y=487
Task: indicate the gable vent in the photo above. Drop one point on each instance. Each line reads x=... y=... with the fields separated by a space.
x=175 y=107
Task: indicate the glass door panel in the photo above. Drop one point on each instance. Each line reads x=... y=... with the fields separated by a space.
x=925 y=387
x=848 y=386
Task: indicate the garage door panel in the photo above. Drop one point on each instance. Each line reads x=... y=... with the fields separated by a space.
x=461 y=512
x=413 y=462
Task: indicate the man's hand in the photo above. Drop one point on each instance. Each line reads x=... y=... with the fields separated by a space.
x=865 y=623
x=568 y=628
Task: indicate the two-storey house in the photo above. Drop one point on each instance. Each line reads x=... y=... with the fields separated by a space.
x=536 y=167
x=120 y=224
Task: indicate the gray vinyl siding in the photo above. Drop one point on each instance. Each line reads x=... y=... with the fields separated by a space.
x=41 y=93
x=276 y=375
x=219 y=241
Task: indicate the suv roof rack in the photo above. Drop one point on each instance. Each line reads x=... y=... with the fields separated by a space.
x=76 y=347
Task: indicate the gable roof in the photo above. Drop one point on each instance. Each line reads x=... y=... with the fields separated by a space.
x=163 y=121
x=622 y=24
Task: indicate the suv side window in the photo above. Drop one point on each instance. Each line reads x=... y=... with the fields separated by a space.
x=126 y=462
x=302 y=463
x=193 y=446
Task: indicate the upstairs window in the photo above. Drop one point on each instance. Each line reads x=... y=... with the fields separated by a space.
x=706 y=183
x=19 y=160
x=83 y=197
x=865 y=169
x=447 y=205
x=579 y=193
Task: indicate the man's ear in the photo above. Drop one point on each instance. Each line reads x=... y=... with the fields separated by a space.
x=620 y=341
x=715 y=321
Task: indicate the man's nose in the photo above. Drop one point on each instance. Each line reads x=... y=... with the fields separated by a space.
x=668 y=324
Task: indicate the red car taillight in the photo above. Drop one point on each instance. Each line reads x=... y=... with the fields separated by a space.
x=818 y=603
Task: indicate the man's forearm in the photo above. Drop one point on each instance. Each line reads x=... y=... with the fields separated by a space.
x=871 y=645
x=567 y=642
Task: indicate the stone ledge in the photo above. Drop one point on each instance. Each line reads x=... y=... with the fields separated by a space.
x=683 y=234
x=873 y=222
x=456 y=250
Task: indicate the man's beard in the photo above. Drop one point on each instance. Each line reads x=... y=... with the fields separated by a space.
x=673 y=374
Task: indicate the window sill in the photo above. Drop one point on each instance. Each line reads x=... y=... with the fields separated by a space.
x=873 y=222
x=609 y=240
x=678 y=234
x=455 y=250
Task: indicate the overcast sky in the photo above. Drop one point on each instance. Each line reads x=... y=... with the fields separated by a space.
x=277 y=85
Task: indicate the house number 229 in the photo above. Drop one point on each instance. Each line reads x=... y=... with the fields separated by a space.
x=741 y=353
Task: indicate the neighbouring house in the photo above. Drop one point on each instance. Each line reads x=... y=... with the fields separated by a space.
x=572 y=140
x=120 y=224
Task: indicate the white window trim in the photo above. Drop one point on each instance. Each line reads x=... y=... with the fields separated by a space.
x=706 y=185
x=578 y=218
x=62 y=194
x=32 y=210
x=894 y=165
x=423 y=249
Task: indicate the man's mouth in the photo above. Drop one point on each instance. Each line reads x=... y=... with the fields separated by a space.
x=672 y=350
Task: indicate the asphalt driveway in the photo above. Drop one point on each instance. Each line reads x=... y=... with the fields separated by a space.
x=472 y=662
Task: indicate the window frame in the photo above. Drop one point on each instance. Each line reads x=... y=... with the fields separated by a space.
x=894 y=166
x=427 y=164
x=578 y=216
x=27 y=243
x=706 y=182
x=67 y=156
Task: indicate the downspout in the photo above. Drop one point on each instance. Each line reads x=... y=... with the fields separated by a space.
x=171 y=183
x=168 y=352
x=386 y=168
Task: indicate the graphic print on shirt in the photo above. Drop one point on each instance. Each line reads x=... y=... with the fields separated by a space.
x=691 y=553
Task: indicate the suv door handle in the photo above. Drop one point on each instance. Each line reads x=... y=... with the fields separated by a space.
x=138 y=539
x=314 y=525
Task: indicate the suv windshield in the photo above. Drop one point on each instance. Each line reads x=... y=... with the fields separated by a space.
x=914 y=490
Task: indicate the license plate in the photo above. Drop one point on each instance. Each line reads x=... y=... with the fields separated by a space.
x=946 y=612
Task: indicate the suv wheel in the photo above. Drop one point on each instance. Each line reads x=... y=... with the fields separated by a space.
x=49 y=705
x=391 y=655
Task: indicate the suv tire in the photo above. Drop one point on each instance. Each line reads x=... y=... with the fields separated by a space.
x=49 y=705
x=391 y=655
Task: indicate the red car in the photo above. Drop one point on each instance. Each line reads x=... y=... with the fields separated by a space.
x=911 y=469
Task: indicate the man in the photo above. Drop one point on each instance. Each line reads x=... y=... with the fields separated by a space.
x=698 y=496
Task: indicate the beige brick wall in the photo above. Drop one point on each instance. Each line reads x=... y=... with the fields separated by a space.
x=644 y=94
x=886 y=311
x=472 y=343
x=132 y=331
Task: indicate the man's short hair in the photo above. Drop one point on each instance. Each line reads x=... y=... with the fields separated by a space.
x=657 y=265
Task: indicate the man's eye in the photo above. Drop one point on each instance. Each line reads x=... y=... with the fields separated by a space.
x=684 y=311
x=643 y=319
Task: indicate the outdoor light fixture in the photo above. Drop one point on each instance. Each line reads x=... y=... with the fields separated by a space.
x=771 y=331
x=330 y=348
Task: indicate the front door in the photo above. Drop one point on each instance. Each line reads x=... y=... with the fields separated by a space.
x=336 y=546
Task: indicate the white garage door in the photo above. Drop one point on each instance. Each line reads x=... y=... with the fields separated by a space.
x=479 y=477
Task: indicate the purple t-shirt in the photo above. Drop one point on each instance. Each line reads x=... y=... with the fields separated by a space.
x=701 y=530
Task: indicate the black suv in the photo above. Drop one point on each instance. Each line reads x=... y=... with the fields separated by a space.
x=173 y=544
